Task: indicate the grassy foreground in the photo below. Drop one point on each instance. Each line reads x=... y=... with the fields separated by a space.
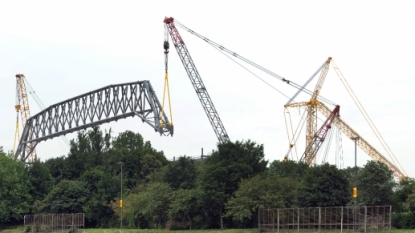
x=200 y=231
x=164 y=231
x=98 y=230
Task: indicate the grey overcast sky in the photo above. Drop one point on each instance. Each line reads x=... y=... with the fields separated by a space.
x=67 y=48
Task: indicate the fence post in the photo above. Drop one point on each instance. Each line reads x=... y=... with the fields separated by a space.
x=273 y=220
x=341 y=221
x=390 y=219
x=319 y=219
x=278 y=220
x=259 y=220
x=365 y=219
x=298 y=220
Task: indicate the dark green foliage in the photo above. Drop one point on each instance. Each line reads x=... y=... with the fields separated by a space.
x=146 y=206
x=222 y=172
x=102 y=188
x=140 y=159
x=181 y=174
x=184 y=206
x=403 y=190
x=262 y=192
x=227 y=189
x=14 y=189
x=87 y=151
x=41 y=179
x=289 y=168
x=58 y=168
x=375 y=184
x=68 y=196
x=324 y=185
x=403 y=220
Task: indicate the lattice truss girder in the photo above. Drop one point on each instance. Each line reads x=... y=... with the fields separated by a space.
x=362 y=143
x=198 y=84
x=93 y=108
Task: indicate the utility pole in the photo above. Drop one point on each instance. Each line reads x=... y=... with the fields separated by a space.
x=355 y=176
x=121 y=163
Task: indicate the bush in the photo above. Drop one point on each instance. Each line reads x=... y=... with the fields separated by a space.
x=73 y=229
x=403 y=220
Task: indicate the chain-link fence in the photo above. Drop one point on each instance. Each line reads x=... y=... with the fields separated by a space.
x=326 y=219
x=53 y=222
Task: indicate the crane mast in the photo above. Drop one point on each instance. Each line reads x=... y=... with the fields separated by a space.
x=196 y=80
x=311 y=106
x=23 y=106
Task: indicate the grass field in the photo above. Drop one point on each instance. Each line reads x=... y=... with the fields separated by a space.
x=202 y=231
x=97 y=230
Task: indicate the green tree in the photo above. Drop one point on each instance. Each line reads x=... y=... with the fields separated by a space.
x=262 y=192
x=103 y=188
x=15 y=185
x=41 y=180
x=403 y=189
x=224 y=169
x=288 y=168
x=58 y=168
x=140 y=159
x=158 y=202
x=184 y=206
x=68 y=196
x=89 y=149
x=181 y=174
x=324 y=185
x=146 y=206
x=375 y=184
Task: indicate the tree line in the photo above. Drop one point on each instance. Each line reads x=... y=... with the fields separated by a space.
x=226 y=190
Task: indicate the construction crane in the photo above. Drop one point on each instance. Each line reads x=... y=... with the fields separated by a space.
x=313 y=145
x=319 y=137
x=17 y=132
x=311 y=106
x=363 y=144
x=196 y=80
x=22 y=105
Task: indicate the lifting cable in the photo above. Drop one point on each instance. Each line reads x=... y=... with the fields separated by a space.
x=223 y=50
x=42 y=107
x=296 y=133
x=327 y=146
x=166 y=78
x=366 y=116
x=339 y=149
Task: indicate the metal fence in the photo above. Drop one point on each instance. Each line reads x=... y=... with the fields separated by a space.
x=53 y=222
x=326 y=219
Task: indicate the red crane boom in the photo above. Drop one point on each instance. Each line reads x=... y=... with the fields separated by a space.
x=319 y=137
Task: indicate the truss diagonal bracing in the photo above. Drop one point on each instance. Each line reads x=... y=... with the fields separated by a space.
x=104 y=105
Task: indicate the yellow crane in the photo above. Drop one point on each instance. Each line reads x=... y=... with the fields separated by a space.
x=314 y=105
x=311 y=106
x=22 y=105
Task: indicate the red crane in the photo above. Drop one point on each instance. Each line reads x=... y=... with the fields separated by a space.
x=196 y=80
x=319 y=136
